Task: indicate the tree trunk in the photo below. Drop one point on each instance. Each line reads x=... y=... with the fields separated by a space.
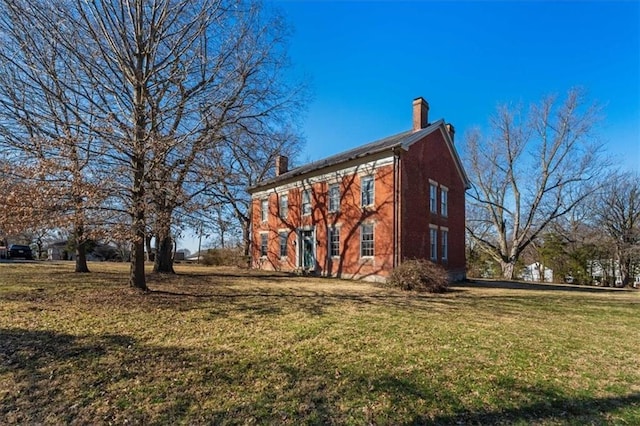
x=81 y=250
x=137 y=278
x=164 y=256
x=246 y=239
x=508 y=269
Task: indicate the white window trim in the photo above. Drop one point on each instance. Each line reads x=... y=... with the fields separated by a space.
x=280 y=198
x=264 y=256
x=444 y=244
x=444 y=206
x=373 y=241
x=373 y=190
x=331 y=186
x=280 y=232
x=329 y=232
x=302 y=204
x=264 y=212
x=433 y=256
x=433 y=207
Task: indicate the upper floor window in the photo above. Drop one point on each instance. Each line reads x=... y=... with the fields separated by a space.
x=366 y=190
x=306 y=202
x=433 y=198
x=366 y=240
x=445 y=245
x=334 y=198
x=444 y=195
x=334 y=242
x=263 y=244
x=284 y=206
x=433 y=236
x=264 y=210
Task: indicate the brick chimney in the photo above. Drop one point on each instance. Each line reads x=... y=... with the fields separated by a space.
x=451 y=130
x=282 y=165
x=420 y=114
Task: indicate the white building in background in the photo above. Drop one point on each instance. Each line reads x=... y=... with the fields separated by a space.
x=538 y=273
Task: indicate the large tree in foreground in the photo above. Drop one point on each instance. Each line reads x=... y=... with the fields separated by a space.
x=528 y=171
x=159 y=85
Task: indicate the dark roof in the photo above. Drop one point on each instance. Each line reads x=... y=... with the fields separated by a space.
x=404 y=140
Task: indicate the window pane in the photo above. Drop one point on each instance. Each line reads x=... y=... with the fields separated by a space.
x=306 y=202
x=334 y=198
x=284 y=206
x=283 y=244
x=433 y=190
x=433 y=234
x=445 y=245
x=366 y=240
x=334 y=242
x=443 y=202
x=263 y=244
x=367 y=190
x=265 y=210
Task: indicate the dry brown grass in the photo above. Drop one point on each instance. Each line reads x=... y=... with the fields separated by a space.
x=227 y=346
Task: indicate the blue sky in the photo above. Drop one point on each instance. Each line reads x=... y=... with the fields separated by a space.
x=367 y=60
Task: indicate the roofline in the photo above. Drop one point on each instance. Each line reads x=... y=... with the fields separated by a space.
x=404 y=143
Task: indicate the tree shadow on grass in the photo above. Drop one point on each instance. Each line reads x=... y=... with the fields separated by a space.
x=518 y=285
x=51 y=377
x=554 y=408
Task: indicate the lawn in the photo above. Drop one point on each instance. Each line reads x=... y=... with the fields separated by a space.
x=227 y=346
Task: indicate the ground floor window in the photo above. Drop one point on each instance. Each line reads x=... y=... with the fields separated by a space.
x=334 y=242
x=433 y=236
x=283 y=244
x=366 y=240
x=445 y=245
x=263 y=244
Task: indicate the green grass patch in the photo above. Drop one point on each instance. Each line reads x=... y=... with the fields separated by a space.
x=227 y=346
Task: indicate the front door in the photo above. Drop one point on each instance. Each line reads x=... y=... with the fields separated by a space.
x=307 y=258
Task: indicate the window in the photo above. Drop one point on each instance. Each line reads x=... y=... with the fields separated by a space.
x=433 y=198
x=366 y=240
x=334 y=242
x=265 y=210
x=263 y=245
x=283 y=243
x=445 y=245
x=306 y=202
x=443 y=201
x=284 y=206
x=366 y=190
x=433 y=235
x=334 y=198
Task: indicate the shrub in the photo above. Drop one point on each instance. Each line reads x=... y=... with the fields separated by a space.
x=419 y=275
x=223 y=257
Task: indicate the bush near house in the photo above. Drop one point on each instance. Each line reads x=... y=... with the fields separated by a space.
x=419 y=275
x=224 y=257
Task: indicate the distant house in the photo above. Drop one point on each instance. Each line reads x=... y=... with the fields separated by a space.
x=538 y=273
x=360 y=213
x=59 y=251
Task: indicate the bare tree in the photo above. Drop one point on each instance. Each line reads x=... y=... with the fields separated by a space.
x=247 y=159
x=529 y=172
x=618 y=213
x=162 y=83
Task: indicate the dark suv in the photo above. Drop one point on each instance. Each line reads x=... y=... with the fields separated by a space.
x=18 y=251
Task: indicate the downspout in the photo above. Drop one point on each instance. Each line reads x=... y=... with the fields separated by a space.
x=397 y=228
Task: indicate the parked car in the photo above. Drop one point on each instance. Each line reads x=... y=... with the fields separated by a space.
x=17 y=251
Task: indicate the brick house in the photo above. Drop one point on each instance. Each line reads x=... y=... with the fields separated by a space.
x=358 y=214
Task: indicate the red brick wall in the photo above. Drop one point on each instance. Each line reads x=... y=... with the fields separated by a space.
x=348 y=219
x=430 y=159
